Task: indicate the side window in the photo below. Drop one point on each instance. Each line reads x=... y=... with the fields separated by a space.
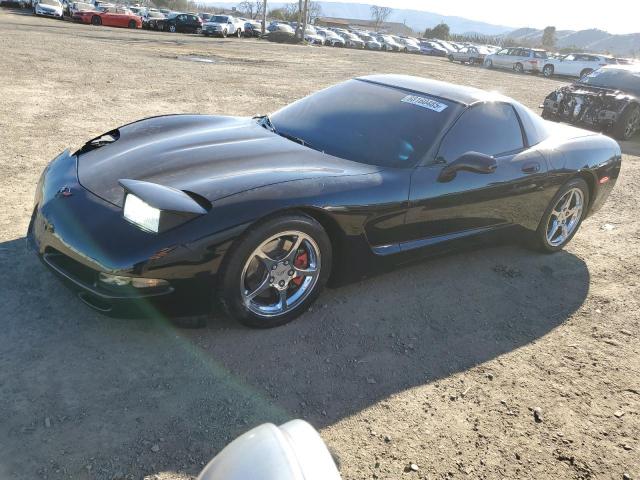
x=489 y=128
x=570 y=58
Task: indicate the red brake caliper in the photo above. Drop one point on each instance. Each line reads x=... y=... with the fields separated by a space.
x=301 y=261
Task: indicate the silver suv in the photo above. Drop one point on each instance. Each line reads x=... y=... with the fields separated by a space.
x=518 y=59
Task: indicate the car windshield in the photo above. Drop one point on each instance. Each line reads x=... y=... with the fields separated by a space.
x=367 y=123
x=83 y=6
x=155 y=15
x=219 y=19
x=616 y=78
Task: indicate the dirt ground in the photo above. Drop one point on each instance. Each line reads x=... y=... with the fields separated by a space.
x=440 y=364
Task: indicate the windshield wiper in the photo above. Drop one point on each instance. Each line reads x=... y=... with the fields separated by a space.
x=265 y=122
x=299 y=140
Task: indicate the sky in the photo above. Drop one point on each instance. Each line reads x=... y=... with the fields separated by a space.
x=614 y=16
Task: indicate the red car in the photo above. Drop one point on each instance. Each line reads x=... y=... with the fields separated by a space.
x=110 y=17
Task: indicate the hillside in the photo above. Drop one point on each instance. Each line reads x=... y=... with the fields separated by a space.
x=418 y=20
x=590 y=40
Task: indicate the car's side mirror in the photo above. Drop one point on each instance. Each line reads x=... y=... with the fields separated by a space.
x=293 y=451
x=474 y=162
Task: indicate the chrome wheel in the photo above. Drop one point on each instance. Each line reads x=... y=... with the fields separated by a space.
x=565 y=217
x=280 y=274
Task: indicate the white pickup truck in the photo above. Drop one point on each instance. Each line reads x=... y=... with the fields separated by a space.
x=223 y=26
x=575 y=64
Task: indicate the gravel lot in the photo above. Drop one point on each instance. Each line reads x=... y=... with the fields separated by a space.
x=439 y=364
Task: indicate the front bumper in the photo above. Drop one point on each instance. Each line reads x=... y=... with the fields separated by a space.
x=48 y=13
x=77 y=235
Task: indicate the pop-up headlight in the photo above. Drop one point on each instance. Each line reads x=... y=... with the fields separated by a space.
x=158 y=208
x=141 y=213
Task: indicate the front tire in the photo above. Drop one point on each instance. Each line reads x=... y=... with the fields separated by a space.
x=96 y=20
x=172 y=28
x=276 y=271
x=547 y=71
x=132 y=24
x=518 y=68
x=488 y=64
x=628 y=124
x=563 y=216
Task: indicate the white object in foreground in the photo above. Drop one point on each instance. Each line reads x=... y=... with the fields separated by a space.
x=293 y=451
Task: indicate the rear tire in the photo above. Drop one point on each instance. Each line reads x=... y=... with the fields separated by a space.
x=132 y=24
x=543 y=239
x=172 y=28
x=628 y=124
x=234 y=289
x=96 y=20
x=518 y=68
x=488 y=64
x=547 y=71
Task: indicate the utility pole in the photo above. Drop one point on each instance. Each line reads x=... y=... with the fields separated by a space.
x=299 y=31
x=304 y=20
x=264 y=16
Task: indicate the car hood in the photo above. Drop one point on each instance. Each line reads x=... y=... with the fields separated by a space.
x=214 y=24
x=212 y=156
x=587 y=90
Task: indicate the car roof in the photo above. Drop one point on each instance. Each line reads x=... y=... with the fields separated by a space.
x=449 y=91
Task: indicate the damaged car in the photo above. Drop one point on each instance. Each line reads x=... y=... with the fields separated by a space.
x=606 y=99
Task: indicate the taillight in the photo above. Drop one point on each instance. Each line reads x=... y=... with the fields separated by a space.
x=603 y=180
x=533 y=61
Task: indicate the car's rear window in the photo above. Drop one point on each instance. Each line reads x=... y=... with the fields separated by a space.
x=539 y=54
x=368 y=123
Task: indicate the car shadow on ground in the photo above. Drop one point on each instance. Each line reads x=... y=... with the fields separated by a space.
x=109 y=396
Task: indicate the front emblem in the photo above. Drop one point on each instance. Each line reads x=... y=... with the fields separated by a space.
x=65 y=192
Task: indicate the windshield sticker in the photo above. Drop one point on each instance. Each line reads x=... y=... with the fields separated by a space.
x=424 y=103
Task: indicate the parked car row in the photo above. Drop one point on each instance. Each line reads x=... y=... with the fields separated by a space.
x=533 y=60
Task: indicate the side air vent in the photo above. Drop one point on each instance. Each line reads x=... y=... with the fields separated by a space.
x=101 y=141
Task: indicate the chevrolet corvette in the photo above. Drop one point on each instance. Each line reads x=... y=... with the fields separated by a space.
x=183 y=213
x=606 y=99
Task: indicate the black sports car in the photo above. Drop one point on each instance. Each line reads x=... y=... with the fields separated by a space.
x=260 y=212
x=608 y=98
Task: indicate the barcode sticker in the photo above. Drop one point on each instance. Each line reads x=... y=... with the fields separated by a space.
x=424 y=103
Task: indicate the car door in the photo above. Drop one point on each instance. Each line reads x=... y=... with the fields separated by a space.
x=121 y=18
x=502 y=57
x=180 y=22
x=567 y=66
x=442 y=207
x=108 y=17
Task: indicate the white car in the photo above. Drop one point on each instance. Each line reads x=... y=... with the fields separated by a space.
x=311 y=36
x=408 y=45
x=331 y=38
x=48 y=8
x=223 y=26
x=576 y=64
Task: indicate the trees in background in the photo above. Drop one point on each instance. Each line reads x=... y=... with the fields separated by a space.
x=440 y=31
x=251 y=8
x=294 y=12
x=549 y=38
x=379 y=15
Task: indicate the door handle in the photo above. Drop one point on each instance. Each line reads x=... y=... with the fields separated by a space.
x=533 y=167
